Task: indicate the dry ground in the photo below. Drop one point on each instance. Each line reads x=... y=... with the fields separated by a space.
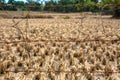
x=60 y=60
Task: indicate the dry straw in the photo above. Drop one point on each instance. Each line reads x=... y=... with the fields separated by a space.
x=70 y=58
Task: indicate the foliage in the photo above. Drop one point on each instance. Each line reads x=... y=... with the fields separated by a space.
x=11 y=1
x=2 y=1
x=19 y=3
x=59 y=5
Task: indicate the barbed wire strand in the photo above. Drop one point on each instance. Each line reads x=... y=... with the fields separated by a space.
x=58 y=40
x=77 y=71
x=43 y=40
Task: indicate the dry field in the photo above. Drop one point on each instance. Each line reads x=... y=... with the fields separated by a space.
x=64 y=60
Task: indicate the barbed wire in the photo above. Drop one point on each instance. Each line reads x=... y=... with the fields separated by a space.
x=60 y=5
x=58 y=40
x=26 y=40
x=54 y=71
x=75 y=5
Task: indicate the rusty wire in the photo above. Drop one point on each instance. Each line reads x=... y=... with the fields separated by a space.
x=45 y=40
x=71 y=71
x=58 y=40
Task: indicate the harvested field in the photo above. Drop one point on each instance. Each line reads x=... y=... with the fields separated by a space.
x=60 y=49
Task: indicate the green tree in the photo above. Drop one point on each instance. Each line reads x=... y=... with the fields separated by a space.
x=19 y=3
x=89 y=2
x=2 y=1
x=117 y=1
x=50 y=3
x=96 y=1
x=33 y=2
x=108 y=1
x=65 y=2
x=30 y=1
x=116 y=9
x=11 y=1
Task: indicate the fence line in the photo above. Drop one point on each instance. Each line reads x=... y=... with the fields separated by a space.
x=53 y=40
x=26 y=40
x=60 y=5
x=105 y=5
x=77 y=71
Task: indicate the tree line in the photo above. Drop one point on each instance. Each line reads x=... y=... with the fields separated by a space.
x=58 y=5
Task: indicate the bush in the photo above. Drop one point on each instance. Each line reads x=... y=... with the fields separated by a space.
x=117 y=12
x=10 y=8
